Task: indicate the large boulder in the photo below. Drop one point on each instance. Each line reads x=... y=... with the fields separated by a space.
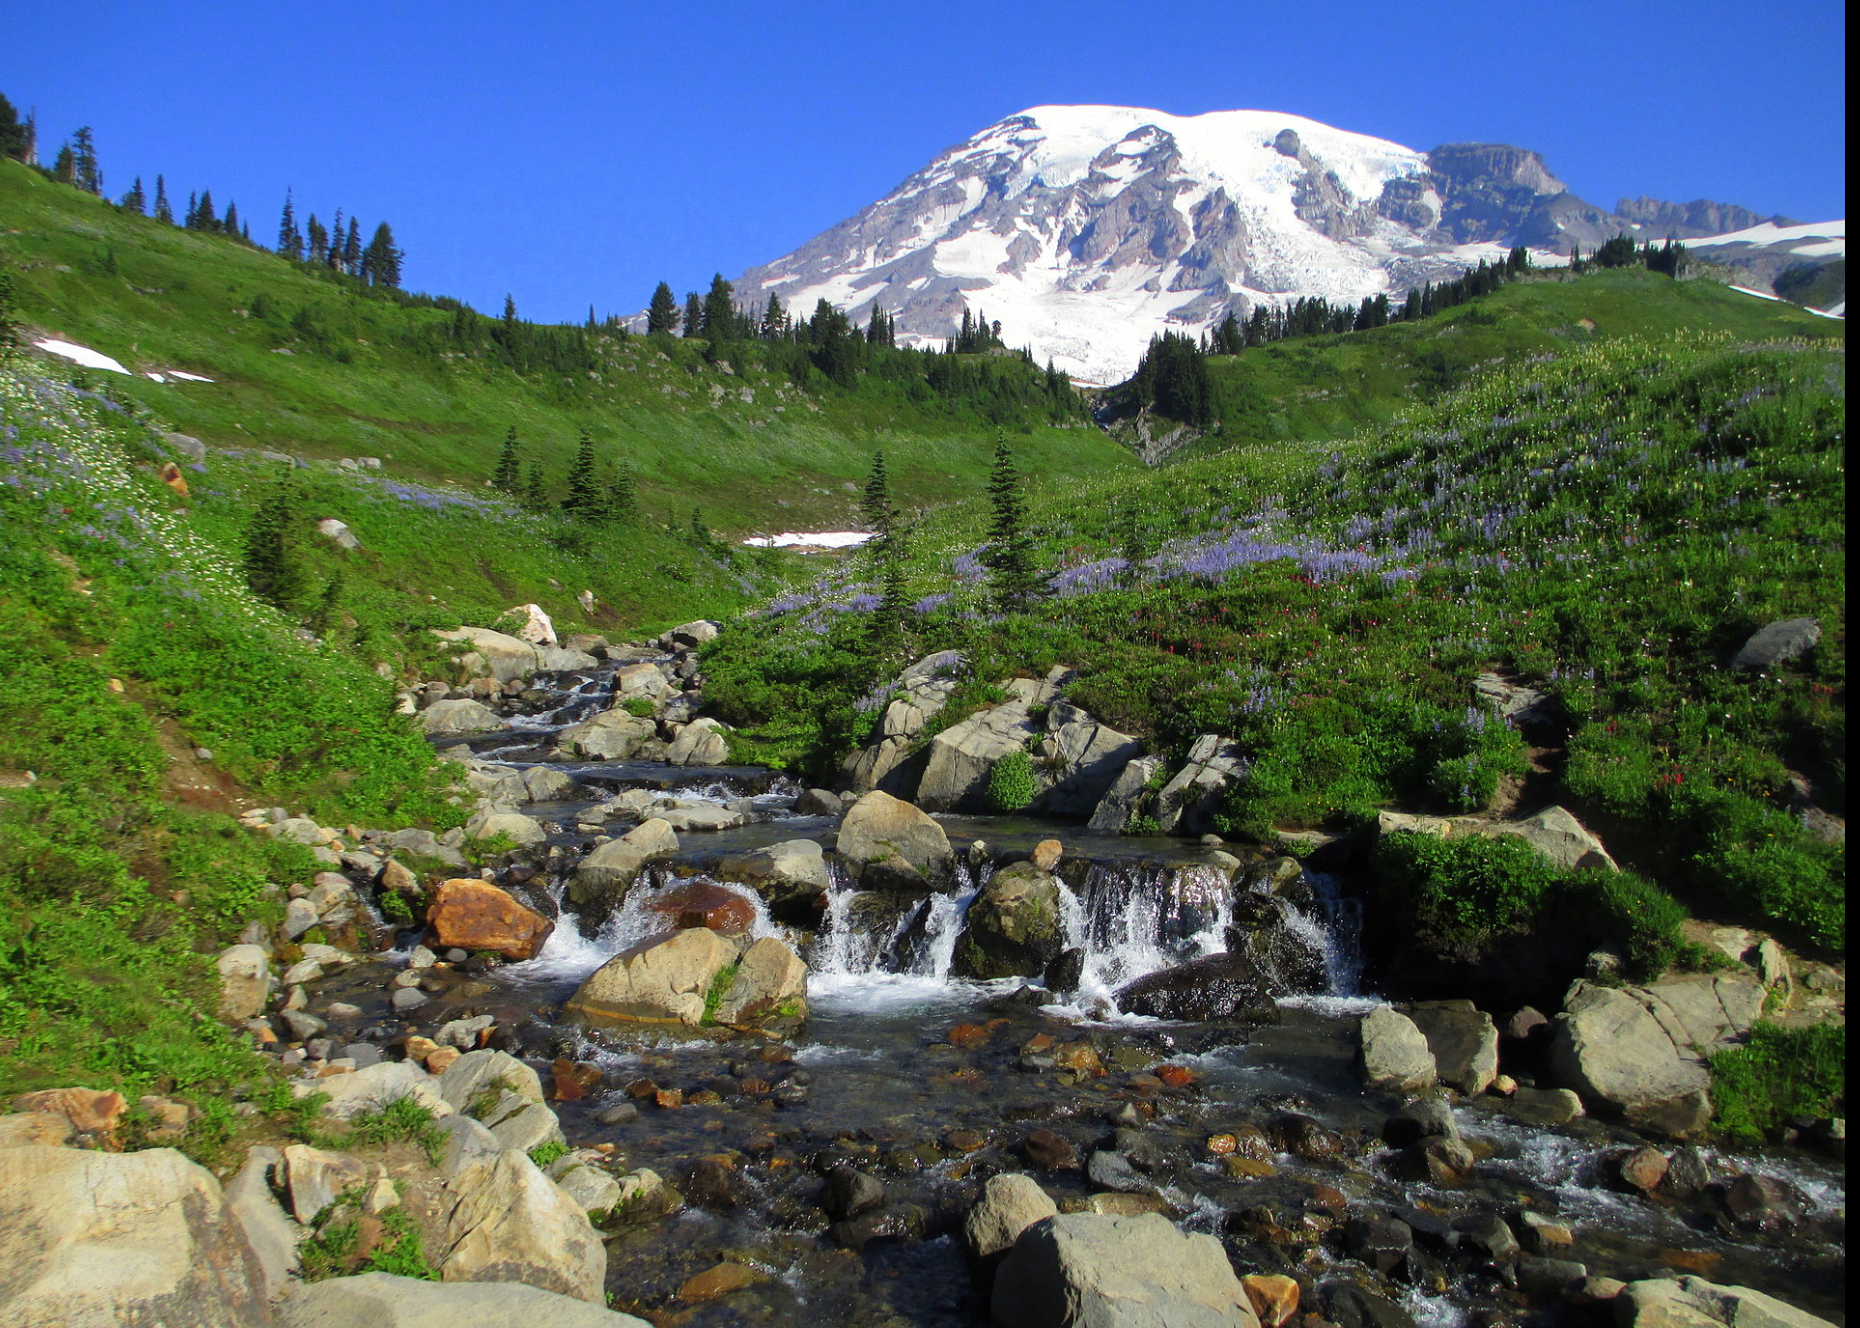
x=1776 y=644
x=612 y=735
x=533 y=625
x=1609 y=1048
x=611 y=867
x=493 y=654
x=660 y=981
x=961 y=757
x=1010 y=1203
x=381 y=1300
x=1559 y=836
x=1124 y=796
x=1463 y=1041
x=476 y=915
x=1216 y=986
x=479 y=1078
x=887 y=843
x=771 y=980
x=1079 y=760
x=511 y=1223
x=267 y=1228
x=514 y=826
x=688 y=636
x=1187 y=803
x=245 y=982
x=641 y=679
x=1080 y=1269
x=373 y=1087
x=1692 y=1302
x=794 y=870
x=94 y=1239
x=1393 y=1052
x=461 y=716
x=701 y=742
x=1013 y=927
x=892 y=761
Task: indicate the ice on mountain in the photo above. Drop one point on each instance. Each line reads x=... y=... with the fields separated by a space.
x=84 y=355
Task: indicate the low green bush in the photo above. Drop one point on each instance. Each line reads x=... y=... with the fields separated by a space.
x=1011 y=784
x=1779 y=1073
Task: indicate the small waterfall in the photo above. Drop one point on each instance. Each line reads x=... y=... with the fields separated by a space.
x=1334 y=929
x=1132 y=919
x=869 y=934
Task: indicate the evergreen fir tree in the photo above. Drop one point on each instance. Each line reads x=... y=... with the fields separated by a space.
x=136 y=200
x=886 y=631
x=720 y=310
x=272 y=569
x=623 y=497
x=84 y=162
x=9 y=326
x=12 y=132
x=510 y=311
x=290 y=239
x=328 y=606
x=1010 y=551
x=508 y=472
x=319 y=241
x=163 y=212
x=382 y=259
x=774 y=319
x=352 y=248
x=334 y=257
x=694 y=315
x=584 y=491
x=875 y=507
x=64 y=165
x=535 y=492
x=231 y=224
x=205 y=219
x=662 y=313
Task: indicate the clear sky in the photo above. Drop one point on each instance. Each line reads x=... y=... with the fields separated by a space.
x=571 y=152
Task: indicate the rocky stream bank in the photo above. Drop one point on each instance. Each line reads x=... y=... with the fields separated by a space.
x=710 y=1048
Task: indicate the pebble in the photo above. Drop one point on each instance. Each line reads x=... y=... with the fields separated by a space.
x=408 y=999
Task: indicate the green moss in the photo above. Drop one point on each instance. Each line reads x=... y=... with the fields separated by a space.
x=719 y=988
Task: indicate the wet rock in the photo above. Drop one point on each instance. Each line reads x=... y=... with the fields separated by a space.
x=1348 y=1305
x=1274 y=1297
x=619 y=1113
x=1540 y=1234
x=1048 y=1151
x=1215 y=987
x=1641 y=1169
x=1423 y=1118
x=719 y=1280
x=1463 y=1043
x=715 y=1183
x=611 y=868
x=818 y=802
x=886 y=843
x=476 y=915
x=1113 y=1171
x=1762 y=1201
x=1144 y=1152
x=513 y=1224
x=793 y=871
x=1013 y=926
x=703 y=904
x=92 y=1237
x=1065 y=972
x=1379 y=1242
x=907 y=1222
x=462 y=716
x=1393 y=1052
x=1487 y=1235
x=1539 y=1276
x=1008 y=1206
x=1118 y=1272
x=1686 y=1174
x=848 y=1193
x=612 y=735
x=382 y=1300
x=1293 y=1132
x=770 y=981
x=662 y=981
x=1545 y=1106
x=1616 y=1055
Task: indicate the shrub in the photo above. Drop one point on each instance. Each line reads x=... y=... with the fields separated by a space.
x=1779 y=1073
x=1011 y=784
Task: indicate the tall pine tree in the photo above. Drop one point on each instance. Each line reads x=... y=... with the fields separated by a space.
x=875 y=506
x=584 y=499
x=1010 y=549
x=290 y=239
x=508 y=473
x=272 y=569
x=136 y=200
x=694 y=315
x=163 y=212
x=89 y=177
x=662 y=313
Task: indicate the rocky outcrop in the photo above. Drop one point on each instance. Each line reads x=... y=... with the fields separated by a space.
x=1117 y=1272
x=770 y=980
x=1012 y=928
x=1125 y=795
x=612 y=735
x=1554 y=832
x=1463 y=1042
x=701 y=742
x=890 y=762
x=267 y=1229
x=961 y=757
x=493 y=654
x=1393 y=1053
x=381 y=1300
x=511 y=1223
x=1187 y=803
x=610 y=869
x=662 y=981
x=1692 y=1302
x=374 y=1086
x=476 y=915
x=1078 y=760
x=886 y=843
x=95 y=1239
x=1614 y=1053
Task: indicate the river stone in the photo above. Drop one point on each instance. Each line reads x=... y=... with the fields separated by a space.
x=1186 y=804
x=493 y=654
x=374 y=1087
x=313 y=1177
x=476 y=915
x=612 y=735
x=92 y=1239
x=1692 y=1302
x=513 y=1224
x=590 y=1187
x=1393 y=1052
x=769 y=978
x=382 y=1300
x=793 y=869
x=541 y=783
x=612 y=867
x=1216 y=986
x=461 y=716
x=1124 y=795
x=1463 y=1042
x=1614 y=1053
x=1079 y=759
x=659 y=981
x=1080 y=1269
x=1010 y=1203
x=488 y=823
x=962 y=756
x=265 y=1225
x=886 y=843
x=702 y=816
x=701 y=742
x=1012 y=928
x=245 y=982
x=1776 y=644
x=692 y=634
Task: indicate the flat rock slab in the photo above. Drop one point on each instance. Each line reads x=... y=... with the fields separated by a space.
x=380 y=1300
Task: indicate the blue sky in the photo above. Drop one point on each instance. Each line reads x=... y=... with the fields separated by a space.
x=577 y=153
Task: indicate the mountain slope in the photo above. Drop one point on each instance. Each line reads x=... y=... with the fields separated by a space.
x=1085 y=230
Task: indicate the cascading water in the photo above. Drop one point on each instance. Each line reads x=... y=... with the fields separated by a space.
x=864 y=937
x=1131 y=919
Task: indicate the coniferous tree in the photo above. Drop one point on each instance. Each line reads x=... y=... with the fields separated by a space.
x=662 y=313
x=352 y=249
x=584 y=498
x=9 y=327
x=510 y=311
x=334 y=257
x=720 y=310
x=89 y=177
x=325 y=614
x=271 y=565
x=774 y=319
x=136 y=200
x=622 y=497
x=886 y=630
x=508 y=473
x=319 y=241
x=231 y=224
x=1010 y=551
x=382 y=259
x=162 y=211
x=205 y=219
x=12 y=132
x=290 y=239
x=64 y=165
x=875 y=507
x=694 y=315
x=535 y=491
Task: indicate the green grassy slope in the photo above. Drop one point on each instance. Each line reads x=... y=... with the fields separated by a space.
x=1330 y=387
x=359 y=379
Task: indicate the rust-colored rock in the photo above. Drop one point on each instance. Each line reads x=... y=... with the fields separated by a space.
x=440 y=1059
x=475 y=915
x=419 y=1048
x=965 y=1141
x=1247 y=1168
x=717 y=1281
x=1079 y=1057
x=1175 y=1076
x=1643 y=1169
x=1274 y=1298
x=1146 y=1084
x=1046 y=854
x=967 y=1035
x=573 y=1080
x=1049 y=1151
x=669 y=1098
x=703 y=904
x=1222 y=1144
x=90 y=1110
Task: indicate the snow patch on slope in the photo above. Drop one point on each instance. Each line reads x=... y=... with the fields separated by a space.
x=84 y=355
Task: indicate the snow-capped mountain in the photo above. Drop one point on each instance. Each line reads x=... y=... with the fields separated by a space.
x=1085 y=230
